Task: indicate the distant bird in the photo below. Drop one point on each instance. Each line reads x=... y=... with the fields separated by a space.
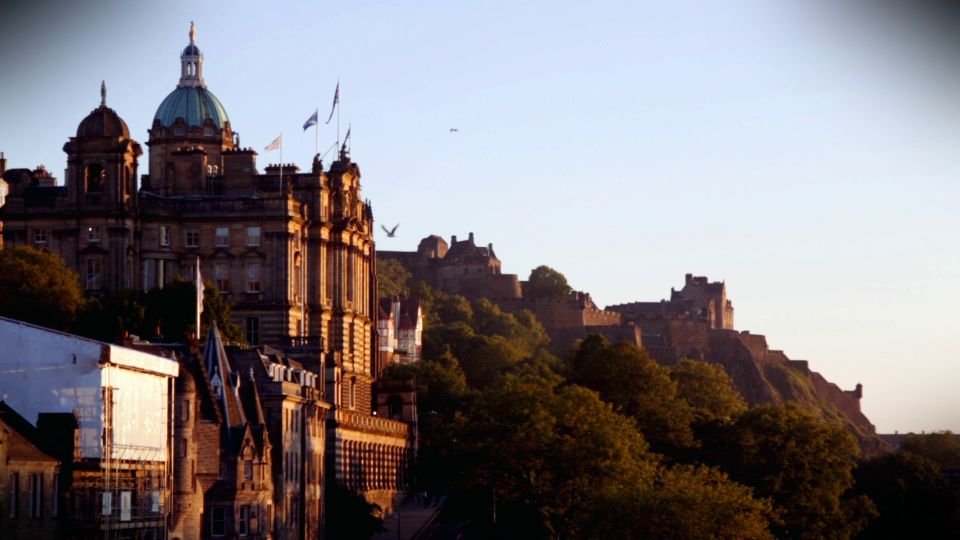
x=391 y=233
x=454 y=130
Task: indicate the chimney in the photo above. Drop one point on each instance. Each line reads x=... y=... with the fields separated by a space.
x=471 y=237
x=3 y=164
x=689 y=278
x=453 y=239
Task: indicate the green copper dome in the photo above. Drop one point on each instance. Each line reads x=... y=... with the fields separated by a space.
x=194 y=104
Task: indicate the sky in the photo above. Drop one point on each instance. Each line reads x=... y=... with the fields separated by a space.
x=803 y=153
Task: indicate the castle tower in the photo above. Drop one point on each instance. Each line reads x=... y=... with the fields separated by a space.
x=189 y=135
x=102 y=187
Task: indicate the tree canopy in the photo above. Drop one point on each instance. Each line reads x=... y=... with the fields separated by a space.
x=37 y=287
x=392 y=278
x=545 y=282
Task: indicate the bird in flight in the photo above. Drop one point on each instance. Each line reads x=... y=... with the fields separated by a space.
x=454 y=130
x=391 y=233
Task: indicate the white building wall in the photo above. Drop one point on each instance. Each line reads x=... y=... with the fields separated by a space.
x=44 y=371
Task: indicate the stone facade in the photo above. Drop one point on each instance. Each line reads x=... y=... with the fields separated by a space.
x=292 y=251
x=460 y=267
x=29 y=481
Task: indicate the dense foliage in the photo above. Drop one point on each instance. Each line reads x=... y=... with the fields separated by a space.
x=37 y=287
x=545 y=282
x=607 y=443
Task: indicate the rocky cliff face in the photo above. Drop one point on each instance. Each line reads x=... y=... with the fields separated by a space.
x=763 y=375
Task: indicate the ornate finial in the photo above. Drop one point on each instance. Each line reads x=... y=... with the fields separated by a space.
x=193 y=32
x=103 y=93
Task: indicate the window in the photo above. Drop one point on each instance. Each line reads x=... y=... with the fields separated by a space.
x=93 y=234
x=253 y=277
x=253 y=236
x=95 y=176
x=184 y=409
x=244 y=520
x=353 y=393
x=94 y=274
x=55 y=500
x=39 y=236
x=36 y=495
x=193 y=238
x=181 y=447
x=164 y=236
x=221 y=273
x=248 y=469
x=14 y=495
x=218 y=521
x=223 y=236
x=253 y=330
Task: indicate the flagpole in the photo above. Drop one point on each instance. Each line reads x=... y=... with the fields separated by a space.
x=316 y=133
x=338 y=113
x=281 y=164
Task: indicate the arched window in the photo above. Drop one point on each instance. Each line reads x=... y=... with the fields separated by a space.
x=94 y=178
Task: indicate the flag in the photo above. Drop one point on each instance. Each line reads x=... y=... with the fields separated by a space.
x=275 y=145
x=346 y=137
x=198 y=283
x=336 y=100
x=312 y=121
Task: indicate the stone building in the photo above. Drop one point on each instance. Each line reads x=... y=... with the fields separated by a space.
x=292 y=251
x=29 y=480
x=105 y=412
x=464 y=268
x=399 y=331
x=460 y=267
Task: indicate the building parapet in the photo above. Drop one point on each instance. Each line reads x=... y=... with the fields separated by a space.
x=374 y=424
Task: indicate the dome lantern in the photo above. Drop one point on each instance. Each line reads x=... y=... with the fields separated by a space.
x=191 y=62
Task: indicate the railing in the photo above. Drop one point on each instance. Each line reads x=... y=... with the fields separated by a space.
x=208 y=206
x=303 y=342
x=358 y=420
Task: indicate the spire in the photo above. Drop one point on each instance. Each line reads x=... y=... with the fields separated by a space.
x=103 y=93
x=191 y=62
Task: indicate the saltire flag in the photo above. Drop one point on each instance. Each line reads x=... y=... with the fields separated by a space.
x=198 y=283
x=336 y=100
x=275 y=145
x=312 y=121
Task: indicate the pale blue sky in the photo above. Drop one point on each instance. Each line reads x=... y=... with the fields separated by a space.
x=806 y=155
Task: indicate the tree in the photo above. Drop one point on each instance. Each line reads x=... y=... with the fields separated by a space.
x=707 y=389
x=690 y=502
x=106 y=318
x=942 y=448
x=349 y=515
x=392 y=278
x=545 y=282
x=636 y=386
x=172 y=309
x=37 y=287
x=911 y=496
x=802 y=464
x=539 y=454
